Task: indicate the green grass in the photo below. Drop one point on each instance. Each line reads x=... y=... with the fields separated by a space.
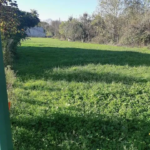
x=77 y=96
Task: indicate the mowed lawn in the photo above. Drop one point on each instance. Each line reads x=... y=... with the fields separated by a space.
x=78 y=96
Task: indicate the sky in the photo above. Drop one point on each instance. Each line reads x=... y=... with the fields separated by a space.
x=58 y=9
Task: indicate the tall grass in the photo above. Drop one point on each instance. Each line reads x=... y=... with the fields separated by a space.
x=10 y=80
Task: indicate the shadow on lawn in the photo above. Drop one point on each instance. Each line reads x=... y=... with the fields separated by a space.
x=34 y=62
x=84 y=76
x=59 y=130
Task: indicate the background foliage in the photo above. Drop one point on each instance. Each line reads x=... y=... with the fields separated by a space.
x=122 y=22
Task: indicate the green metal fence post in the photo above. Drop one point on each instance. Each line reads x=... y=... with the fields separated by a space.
x=5 y=127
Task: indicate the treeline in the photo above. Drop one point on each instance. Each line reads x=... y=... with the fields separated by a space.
x=124 y=22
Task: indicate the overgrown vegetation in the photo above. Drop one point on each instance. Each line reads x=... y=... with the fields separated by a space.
x=72 y=95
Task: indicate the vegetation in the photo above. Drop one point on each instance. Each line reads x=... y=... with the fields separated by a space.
x=72 y=95
x=122 y=22
x=13 y=24
x=8 y=19
x=51 y=28
x=10 y=79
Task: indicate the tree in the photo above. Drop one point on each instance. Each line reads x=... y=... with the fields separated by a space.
x=111 y=7
x=63 y=29
x=46 y=27
x=34 y=13
x=54 y=27
x=72 y=29
x=13 y=24
x=85 y=19
x=100 y=33
x=111 y=10
x=8 y=17
x=51 y=28
x=137 y=23
x=26 y=20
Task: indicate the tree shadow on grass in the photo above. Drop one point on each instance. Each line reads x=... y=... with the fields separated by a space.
x=34 y=63
x=85 y=76
x=65 y=132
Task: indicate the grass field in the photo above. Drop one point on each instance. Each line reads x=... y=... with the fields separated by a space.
x=77 y=96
